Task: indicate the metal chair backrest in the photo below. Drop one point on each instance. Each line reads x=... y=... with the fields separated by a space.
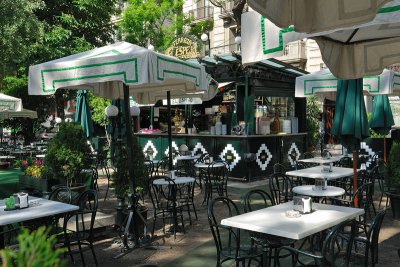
x=226 y=208
x=332 y=244
x=374 y=230
x=162 y=196
x=345 y=162
x=280 y=187
x=61 y=194
x=279 y=168
x=162 y=166
x=257 y=199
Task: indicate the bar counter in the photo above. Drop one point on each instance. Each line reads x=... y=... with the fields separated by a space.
x=250 y=157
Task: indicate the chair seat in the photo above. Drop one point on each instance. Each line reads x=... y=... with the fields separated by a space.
x=272 y=240
x=243 y=252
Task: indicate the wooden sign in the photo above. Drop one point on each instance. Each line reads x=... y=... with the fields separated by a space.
x=183 y=47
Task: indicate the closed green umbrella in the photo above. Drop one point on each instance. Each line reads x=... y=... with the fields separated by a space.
x=350 y=124
x=382 y=118
x=83 y=113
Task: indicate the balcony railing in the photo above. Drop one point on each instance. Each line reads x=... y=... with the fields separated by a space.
x=202 y=13
x=295 y=51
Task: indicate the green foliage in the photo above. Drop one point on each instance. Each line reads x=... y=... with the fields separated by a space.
x=312 y=121
x=36 y=249
x=201 y=27
x=98 y=105
x=392 y=177
x=152 y=21
x=67 y=154
x=36 y=31
x=19 y=28
x=121 y=176
x=373 y=134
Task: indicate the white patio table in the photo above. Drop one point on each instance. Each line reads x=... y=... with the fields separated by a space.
x=321 y=160
x=310 y=190
x=273 y=220
x=177 y=181
x=205 y=165
x=317 y=173
x=41 y=208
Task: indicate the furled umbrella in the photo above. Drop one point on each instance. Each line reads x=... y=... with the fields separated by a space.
x=382 y=118
x=350 y=124
x=83 y=113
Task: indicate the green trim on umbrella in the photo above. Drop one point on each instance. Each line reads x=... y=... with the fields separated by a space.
x=350 y=124
x=83 y=113
x=382 y=117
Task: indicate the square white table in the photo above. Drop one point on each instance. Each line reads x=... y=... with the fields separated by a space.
x=321 y=160
x=44 y=208
x=273 y=220
x=316 y=173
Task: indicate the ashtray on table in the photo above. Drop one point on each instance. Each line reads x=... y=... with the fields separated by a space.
x=292 y=214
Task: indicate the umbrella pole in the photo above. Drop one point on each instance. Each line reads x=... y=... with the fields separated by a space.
x=169 y=130
x=384 y=148
x=355 y=158
x=129 y=143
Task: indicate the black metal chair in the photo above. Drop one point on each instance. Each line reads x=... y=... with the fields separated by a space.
x=162 y=166
x=370 y=239
x=83 y=221
x=61 y=194
x=280 y=187
x=165 y=204
x=216 y=180
x=185 y=198
x=345 y=162
x=229 y=242
x=258 y=199
x=332 y=253
x=280 y=168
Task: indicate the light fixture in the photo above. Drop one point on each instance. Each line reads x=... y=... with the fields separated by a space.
x=135 y=111
x=238 y=40
x=151 y=47
x=58 y=120
x=204 y=37
x=111 y=111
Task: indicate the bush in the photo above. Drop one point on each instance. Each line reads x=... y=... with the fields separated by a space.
x=67 y=154
x=36 y=249
x=393 y=170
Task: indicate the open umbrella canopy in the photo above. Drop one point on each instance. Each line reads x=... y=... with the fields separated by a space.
x=104 y=71
x=350 y=124
x=320 y=82
x=10 y=103
x=382 y=117
x=317 y=15
x=25 y=113
x=83 y=113
x=349 y=52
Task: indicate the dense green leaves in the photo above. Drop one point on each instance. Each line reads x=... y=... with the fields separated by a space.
x=19 y=28
x=36 y=249
x=313 y=114
x=152 y=22
x=68 y=153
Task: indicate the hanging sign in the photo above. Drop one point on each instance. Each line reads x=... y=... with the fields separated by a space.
x=183 y=47
x=184 y=101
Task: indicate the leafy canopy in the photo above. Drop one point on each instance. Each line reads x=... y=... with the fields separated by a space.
x=152 y=21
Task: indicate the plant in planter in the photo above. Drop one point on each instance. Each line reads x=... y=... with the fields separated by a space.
x=121 y=179
x=67 y=154
x=34 y=177
x=392 y=179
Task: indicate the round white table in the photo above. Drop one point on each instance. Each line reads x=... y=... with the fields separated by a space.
x=187 y=157
x=179 y=180
x=310 y=190
x=205 y=165
x=41 y=156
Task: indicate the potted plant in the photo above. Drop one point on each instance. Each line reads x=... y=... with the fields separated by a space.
x=68 y=153
x=392 y=179
x=122 y=182
x=34 y=176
